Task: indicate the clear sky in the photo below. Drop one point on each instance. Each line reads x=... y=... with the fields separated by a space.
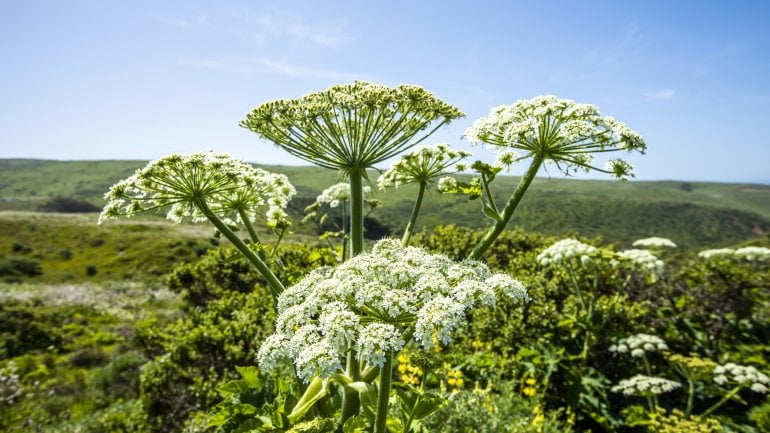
x=99 y=79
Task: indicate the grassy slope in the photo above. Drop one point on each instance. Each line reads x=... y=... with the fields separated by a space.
x=693 y=213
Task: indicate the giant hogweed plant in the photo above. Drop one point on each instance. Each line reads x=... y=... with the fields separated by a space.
x=346 y=324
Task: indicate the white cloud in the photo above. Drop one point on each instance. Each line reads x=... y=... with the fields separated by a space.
x=280 y=25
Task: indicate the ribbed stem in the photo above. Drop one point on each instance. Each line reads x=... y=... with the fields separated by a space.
x=415 y=213
x=499 y=226
x=383 y=394
x=356 y=213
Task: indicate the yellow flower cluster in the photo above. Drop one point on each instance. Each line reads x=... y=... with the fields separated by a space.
x=530 y=389
x=678 y=422
x=410 y=374
x=455 y=379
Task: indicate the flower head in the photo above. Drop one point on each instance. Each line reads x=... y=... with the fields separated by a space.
x=566 y=249
x=742 y=375
x=643 y=260
x=374 y=301
x=654 y=242
x=639 y=344
x=560 y=131
x=180 y=182
x=353 y=126
x=645 y=385
x=423 y=164
x=752 y=254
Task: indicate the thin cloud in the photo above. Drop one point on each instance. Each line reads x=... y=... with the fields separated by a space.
x=280 y=67
x=277 y=25
x=660 y=95
x=184 y=24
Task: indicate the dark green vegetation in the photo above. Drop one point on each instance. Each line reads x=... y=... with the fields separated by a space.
x=696 y=214
x=141 y=325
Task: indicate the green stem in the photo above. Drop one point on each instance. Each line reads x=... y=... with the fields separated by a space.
x=499 y=226
x=383 y=394
x=275 y=285
x=249 y=227
x=724 y=399
x=356 y=213
x=415 y=213
x=690 y=397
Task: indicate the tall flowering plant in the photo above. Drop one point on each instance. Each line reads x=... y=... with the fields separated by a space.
x=422 y=166
x=548 y=129
x=208 y=186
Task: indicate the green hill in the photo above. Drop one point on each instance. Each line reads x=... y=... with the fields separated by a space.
x=694 y=214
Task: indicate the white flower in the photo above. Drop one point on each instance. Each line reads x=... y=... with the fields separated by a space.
x=182 y=183
x=741 y=375
x=645 y=385
x=377 y=340
x=754 y=254
x=447 y=184
x=654 y=242
x=558 y=130
x=422 y=165
x=642 y=259
x=639 y=344
x=566 y=249
x=375 y=300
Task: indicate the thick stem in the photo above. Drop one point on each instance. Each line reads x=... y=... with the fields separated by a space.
x=499 y=226
x=356 y=213
x=275 y=285
x=415 y=213
x=383 y=394
x=353 y=370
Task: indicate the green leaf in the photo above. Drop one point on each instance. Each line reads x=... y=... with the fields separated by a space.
x=251 y=376
x=490 y=212
x=356 y=424
x=427 y=404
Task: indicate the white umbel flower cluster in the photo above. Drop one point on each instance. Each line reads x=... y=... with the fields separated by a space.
x=654 y=242
x=642 y=259
x=753 y=254
x=373 y=302
x=639 y=344
x=337 y=193
x=179 y=182
x=560 y=131
x=424 y=164
x=645 y=385
x=566 y=249
x=742 y=375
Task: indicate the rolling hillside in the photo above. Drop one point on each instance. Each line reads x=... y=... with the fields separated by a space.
x=694 y=214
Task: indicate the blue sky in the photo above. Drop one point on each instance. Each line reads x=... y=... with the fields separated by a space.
x=98 y=79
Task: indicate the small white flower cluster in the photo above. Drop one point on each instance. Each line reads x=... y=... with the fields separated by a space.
x=373 y=302
x=566 y=249
x=639 y=344
x=10 y=388
x=654 y=242
x=424 y=164
x=642 y=259
x=560 y=130
x=181 y=182
x=447 y=184
x=754 y=254
x=645 y=385
x=337 y=194
x=742 y=375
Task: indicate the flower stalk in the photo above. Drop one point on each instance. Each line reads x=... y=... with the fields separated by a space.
x=415 y=213
x=383 y=394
